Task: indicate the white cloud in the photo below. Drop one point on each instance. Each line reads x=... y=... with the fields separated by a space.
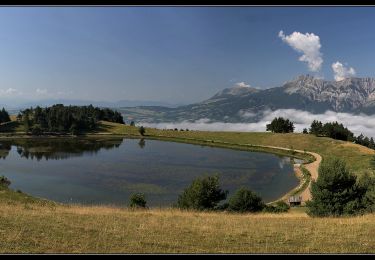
x=341 y=72
x=358 y=124
x=9 y=92
x=246 y=114
x=308 y=44
x=242 y=84
x=41 y=92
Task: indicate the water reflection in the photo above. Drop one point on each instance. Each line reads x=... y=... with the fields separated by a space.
x=4 y=150
x=57 y=149
x=142 y=143
x=109 y=170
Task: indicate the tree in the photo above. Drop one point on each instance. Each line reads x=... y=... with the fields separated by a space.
x=245 y=200
x=4 y=116
x=280 y=125
x=305 y=131
x=203 y=194
x=66 y=119
x=335 y=191
x=137 y=200
x=142 y=130
x=316 y=128
x=132 y=123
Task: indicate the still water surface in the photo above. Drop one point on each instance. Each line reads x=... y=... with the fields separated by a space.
x=108 y=171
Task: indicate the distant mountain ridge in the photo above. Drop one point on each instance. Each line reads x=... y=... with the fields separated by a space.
x=81 y=102
x=243 y=104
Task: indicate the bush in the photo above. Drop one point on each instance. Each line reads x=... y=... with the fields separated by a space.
x=36 y=130
x=142 y=130
x=335 y=192
x=279 y=207
x=245 y=200
x=4 y=181
x=203 y=194
x=366 y=185
x=137 y=200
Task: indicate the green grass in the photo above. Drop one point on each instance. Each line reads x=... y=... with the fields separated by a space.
x=306 y=178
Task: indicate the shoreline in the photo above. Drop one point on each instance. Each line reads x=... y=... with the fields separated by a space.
x=282 y=151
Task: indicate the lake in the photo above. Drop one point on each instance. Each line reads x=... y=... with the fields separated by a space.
x=108 y=171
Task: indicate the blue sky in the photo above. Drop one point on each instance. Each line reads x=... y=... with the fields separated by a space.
x=172 y=54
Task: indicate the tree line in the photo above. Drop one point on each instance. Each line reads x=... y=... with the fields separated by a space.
x=333 y=130
x=65 y=119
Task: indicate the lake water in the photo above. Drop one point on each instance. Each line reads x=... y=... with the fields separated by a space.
x=108 y=171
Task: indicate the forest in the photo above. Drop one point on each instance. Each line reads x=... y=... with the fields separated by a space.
x=66 y=119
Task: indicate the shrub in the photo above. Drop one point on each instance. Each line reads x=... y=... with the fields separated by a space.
x=366 y=185
x=36 y=130
x=279 y=207
x=4 y=181
x=335 y=192
x=203 y=194
x=245 y=200
x=137 y=200
x=142 y=130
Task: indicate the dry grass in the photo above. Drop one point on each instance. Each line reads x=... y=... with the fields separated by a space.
x=35 y=228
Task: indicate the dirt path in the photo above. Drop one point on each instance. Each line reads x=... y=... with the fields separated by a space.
x=311 y=167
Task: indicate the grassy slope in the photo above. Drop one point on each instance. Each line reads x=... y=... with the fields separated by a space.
x=32 y=226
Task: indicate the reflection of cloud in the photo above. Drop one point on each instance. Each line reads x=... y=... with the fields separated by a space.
x=284 y=161
x=302 y=119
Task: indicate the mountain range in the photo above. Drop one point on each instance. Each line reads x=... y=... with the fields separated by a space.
x=243 y=104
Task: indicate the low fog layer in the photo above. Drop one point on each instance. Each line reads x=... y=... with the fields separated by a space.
x=356 y=123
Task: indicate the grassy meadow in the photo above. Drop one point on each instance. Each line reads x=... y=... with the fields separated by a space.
x=32 y=225
x=29 y=225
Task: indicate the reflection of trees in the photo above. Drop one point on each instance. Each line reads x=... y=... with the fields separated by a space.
x=142 y=143
x=56 y=149
x=4 y=149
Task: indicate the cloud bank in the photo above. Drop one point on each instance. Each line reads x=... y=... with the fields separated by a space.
x=9 y=92
x=309 y=45
x=302 y=119
x=341 y=72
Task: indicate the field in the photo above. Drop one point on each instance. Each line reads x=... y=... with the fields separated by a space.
x=31 y=225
